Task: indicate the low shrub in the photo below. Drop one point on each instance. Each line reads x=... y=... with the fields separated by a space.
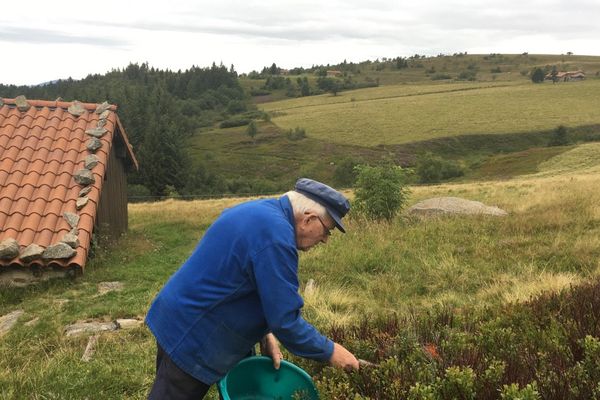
x=537 y=76
x=345 y=173
x=233 y=122
x=469 y=75
x=236 y=106
x=256 y=114
x=559 y=137
x=547 y=348
x=252 y=130
x=259 y=92
x=440 y=76
x=295 y=134
x=513 y=392
x=431 y=168
x=380 y=191
x=591 y=137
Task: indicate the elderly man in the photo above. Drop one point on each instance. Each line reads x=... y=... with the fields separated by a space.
x=239 y=287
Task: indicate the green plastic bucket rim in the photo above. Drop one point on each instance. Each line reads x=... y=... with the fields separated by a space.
x=284 y=363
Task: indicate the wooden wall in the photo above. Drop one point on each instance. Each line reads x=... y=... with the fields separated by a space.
x=111 y=220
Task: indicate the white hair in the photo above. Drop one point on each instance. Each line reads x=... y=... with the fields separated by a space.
x=301 y=204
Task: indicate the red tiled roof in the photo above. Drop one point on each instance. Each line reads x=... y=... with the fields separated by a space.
x=40 y=151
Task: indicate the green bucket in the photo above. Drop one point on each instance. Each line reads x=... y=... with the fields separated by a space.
x=255 y=378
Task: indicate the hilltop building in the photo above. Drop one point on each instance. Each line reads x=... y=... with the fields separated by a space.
x=566 y=76
x=334 y=73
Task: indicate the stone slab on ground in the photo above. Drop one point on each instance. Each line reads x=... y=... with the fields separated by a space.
x=21 y=277
x=310 y=287
x=8 y=321
x=129 y=323
x=105 y=287
x=84 y=328
x=90 y=349
x=454 y=205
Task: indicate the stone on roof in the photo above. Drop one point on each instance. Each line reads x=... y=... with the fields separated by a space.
x=9 y=248
x=31 y=253
x=97 y=132
x=22 y=103
x=91 y=161
x=102 y=108
x=84 y=177
x=77 y=109
x=58 y=251
x=93 y=144
x=40 y=151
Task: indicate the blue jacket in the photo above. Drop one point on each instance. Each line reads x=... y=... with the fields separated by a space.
x=240 y=283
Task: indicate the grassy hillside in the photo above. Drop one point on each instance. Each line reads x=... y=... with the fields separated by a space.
x=412 y=111
x=395 y=115
x=548 y=242
x=463 y=121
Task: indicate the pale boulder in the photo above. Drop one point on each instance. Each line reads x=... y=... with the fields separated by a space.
x=454 y=205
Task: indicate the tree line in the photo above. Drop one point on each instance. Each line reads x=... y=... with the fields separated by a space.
x=159 y=109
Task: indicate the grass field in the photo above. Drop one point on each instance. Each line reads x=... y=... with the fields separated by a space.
x=389 y=116
x=549 y=241
x=468 y=122
x=500 y=112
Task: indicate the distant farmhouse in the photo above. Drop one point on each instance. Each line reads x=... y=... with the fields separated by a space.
x=566 y=76
x=334 y=73
x=62 y=179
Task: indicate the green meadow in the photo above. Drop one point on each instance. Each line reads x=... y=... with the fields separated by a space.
x=395 y=115
x=407 y=267
x=499 y=113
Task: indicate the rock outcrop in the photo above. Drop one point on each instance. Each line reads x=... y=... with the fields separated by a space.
x=453 y=205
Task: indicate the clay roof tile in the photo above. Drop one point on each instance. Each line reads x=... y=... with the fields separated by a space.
x=40 y=149
x=10 y=191
x=27 y=234
x=36 y=207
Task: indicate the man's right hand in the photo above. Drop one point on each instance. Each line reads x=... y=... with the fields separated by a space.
x=342 y=358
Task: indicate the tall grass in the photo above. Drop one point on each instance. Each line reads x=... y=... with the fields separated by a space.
x=549 y=240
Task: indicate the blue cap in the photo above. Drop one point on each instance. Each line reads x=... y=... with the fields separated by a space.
x=336 y=204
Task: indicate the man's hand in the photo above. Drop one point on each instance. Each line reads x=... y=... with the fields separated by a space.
x=270 y=347
x=342 y=358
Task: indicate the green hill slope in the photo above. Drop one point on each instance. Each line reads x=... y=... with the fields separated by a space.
x=500 y=112
x=404 y=114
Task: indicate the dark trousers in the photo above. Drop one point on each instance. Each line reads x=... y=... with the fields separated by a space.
x=172 y=383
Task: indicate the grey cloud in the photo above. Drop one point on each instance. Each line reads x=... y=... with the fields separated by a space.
x=44 y=36
x=551 y=18
x=301 y=32
x=426 y=23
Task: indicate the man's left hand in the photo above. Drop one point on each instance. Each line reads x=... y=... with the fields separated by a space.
x=269 y=346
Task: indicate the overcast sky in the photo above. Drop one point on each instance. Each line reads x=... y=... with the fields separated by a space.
x=42 y=40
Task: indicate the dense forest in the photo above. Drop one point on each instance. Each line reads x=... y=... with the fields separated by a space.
x=159 y=109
